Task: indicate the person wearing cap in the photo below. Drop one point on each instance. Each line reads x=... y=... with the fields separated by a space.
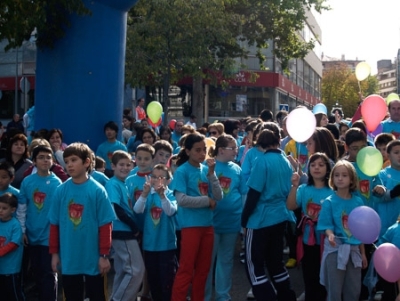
x=392 y=124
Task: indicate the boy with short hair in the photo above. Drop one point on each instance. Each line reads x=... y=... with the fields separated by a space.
x=97 y=175
x=100 y=164
x=381 y=141
x=158 y=206
x=106 y=149
x=7 y=173
x=11 y=250
x=37 y=191
x=128 y=261
x=80 y=229
x=162 y=152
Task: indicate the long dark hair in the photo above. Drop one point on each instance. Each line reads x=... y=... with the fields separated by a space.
x=324 y=158
x=190 y=140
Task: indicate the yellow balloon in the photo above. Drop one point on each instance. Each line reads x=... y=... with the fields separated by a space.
x=154 y=111
x=363 y=70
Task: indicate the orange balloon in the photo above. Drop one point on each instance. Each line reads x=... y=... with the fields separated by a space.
x=373 y=111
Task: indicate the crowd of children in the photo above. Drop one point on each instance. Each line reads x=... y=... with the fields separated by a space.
x=171 y=222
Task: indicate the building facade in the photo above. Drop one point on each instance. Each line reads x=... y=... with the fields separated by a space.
x=387 y=77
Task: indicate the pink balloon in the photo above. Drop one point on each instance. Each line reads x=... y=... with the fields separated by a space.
x=373 y=110
x=172 y=124
x=387 y=262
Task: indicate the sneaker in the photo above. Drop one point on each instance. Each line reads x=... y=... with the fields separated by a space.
x=291 y=263
x=302 y=297
x=286 y=251
x=250 y=294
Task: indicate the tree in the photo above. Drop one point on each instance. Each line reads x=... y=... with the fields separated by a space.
x=19 y=18
x=169 y=40
x=340 y=85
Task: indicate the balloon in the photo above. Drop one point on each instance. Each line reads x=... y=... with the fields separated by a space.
x=369 y=160
x=172 y=124
x=209 y=143
x=320 y=108
x=301 y=124
x=391 y=97
x=365 y=224
x=373 y=111
x=154 y=125
x=377 y=131
x=387 y=262
x=154 y=111
x=363 y=70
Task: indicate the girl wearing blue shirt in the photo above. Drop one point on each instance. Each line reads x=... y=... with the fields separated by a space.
x=226 y=219
x=308 y=197
x=343 y=255
x=196 y=188
x=264 y=218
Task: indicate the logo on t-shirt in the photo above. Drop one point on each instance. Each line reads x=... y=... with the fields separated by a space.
x=203 y=188
x=75 y=212
x=155 y=213
x=345 y=223
x=313 y=210
x=38 y=199
x=364 y=188
x=225 y=183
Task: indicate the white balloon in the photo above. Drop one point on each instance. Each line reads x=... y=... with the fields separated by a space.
x=301 y=124
x=363 y=70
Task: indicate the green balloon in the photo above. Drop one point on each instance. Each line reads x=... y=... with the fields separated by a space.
x=154 y=111
x=369 y=161
x=391 y=97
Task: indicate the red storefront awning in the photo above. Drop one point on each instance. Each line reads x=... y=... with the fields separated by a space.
x=8 y=83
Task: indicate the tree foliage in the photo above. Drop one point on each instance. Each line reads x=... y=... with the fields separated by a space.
x=340 y=85
x=171 y=39
x=19 y=18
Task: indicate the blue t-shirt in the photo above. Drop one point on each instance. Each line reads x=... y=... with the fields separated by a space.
x=106 y=150
x=99 y=177
x=135 y=188
x=176 y=137
x=11 y=231
x=271 y=176
x=392 y=235
x=390 y=126
x=159 y=228
x=134 y=171
x=192 y=181
x=118 y=194
x=309 y=199
x=366 y=184
x=334 y=215
x=80 y=210
x=129 y=144
x=248 y=162
x=37 y=192
x=228 y=211
x=389 y=211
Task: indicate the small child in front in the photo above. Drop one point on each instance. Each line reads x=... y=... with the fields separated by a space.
x=11 y=249
x=343 y=255
x=80 y=229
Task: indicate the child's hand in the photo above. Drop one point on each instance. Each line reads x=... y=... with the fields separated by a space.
x=104 y=265
x=295 y=179
x=146 y=186
x=379 y=190
x=212 y=203
x=331 y=239
x=211 y=165
x=160 y=189
x=55 y=262
x=26 y=241
x=364 y=261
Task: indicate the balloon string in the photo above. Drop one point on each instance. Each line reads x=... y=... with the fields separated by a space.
x=298 y=156
x=359 y=86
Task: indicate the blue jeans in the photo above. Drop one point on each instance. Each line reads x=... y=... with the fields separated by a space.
x=223 y=256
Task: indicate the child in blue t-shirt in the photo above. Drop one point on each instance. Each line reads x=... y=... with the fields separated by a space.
x=6 y=178
x=11 y=249
x=128 y=262
x=99 y=176
x=37 y=192
x=80 y=228
x=226 y=217
x=196 y=188
x=343 y=255
x=158 y=206
x=309 y=197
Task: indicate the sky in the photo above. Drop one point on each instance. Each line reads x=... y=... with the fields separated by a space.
x=361 y=29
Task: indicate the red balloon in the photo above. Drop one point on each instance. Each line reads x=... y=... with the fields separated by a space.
x=152 y=124
x=373 y=111
x=172 y=124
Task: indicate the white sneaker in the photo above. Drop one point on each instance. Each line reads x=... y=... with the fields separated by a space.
x=286 y=251
x=302 y=297
x=250 y=294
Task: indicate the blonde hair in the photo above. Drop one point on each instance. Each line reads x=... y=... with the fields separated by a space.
x=36 y=142
x=352 y=174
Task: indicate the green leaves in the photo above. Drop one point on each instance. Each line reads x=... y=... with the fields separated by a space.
x=18 y=19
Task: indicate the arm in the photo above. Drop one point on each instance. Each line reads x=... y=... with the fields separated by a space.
x=216 y=189
x=104 y=247
x=123 y=217
x=331 y=237
x=21 y=216
x=54 y=247
x=169 y=207
x=192 y=201
x=8 y=248
x=251 y=203
x=363 y=256
x=140 y=204
x=291 y=199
